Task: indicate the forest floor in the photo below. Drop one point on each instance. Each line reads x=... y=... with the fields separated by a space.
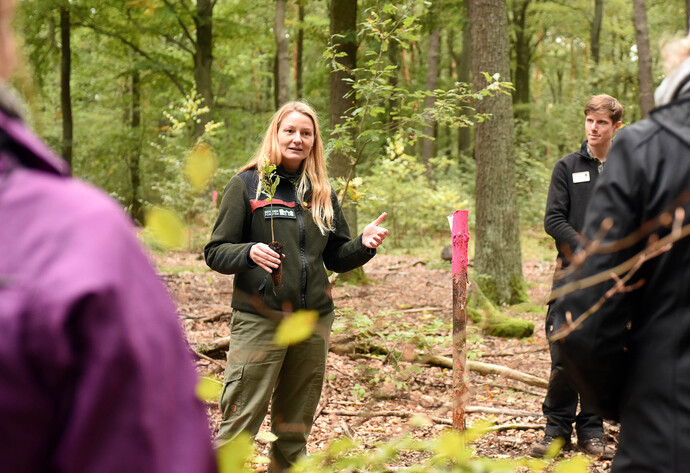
x=407 y=306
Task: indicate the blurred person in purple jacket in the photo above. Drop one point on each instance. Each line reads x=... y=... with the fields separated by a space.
x=95 y=374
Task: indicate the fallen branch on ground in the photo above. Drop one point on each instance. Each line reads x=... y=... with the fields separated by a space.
x=218 y=349
x=214 y=317
x=437 y=420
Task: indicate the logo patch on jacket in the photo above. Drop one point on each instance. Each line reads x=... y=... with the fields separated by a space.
x=580 y=177
x=280 y=213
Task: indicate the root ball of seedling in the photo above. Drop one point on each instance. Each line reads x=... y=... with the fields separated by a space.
x=277 y=274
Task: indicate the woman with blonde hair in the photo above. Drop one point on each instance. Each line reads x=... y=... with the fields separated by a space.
x=304 y=215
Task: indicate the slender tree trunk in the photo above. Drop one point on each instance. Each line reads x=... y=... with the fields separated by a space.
x=644 y=61
x=498 y=259
x=343 y=22
x=687 y=15
x=203 y=60
x=431 y=81
x=137 y=211
x=465 y=75
x=282 y=71
x=65 y=87
x=596 y=28
x=300 y=53
x=394 y=58
x=523 y=56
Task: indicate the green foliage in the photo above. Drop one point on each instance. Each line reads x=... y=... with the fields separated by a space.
x=384 y=108
x=398 y=183
x=449 y=452
x=268 y=182
x=184 y=165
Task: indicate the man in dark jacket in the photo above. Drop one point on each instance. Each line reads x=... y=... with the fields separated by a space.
x=572 y=182
x=630 y=356
x=95 y=374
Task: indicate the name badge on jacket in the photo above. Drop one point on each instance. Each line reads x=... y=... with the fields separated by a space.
x=580 y=177
x=280 y=213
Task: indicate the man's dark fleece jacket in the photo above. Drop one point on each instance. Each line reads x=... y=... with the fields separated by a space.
x=572 y=183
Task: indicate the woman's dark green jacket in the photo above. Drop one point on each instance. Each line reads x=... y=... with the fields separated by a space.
x=244 y=220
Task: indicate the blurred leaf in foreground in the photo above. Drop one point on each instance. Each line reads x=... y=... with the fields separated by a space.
x=200 y=166
x=166 y=228
x=296 y=328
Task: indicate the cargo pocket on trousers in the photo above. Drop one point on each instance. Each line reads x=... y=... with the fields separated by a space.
x=231 y=396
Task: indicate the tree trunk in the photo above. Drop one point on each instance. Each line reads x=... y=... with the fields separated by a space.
x=65 y=88
x=343 y=22
x=282 y=71
x=203 y=60
x=596 y=28
x=136 y=209
x=393 y=103
x=644 y=61
x=431 y=81
x=523 y=56
x=463 y=66
x=497 y=254
x=299 y=86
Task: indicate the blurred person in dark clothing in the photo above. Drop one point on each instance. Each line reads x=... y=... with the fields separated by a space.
x=95 y=374
x=630 y=359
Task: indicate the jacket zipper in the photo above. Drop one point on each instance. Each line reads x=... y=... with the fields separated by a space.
x=302 y=249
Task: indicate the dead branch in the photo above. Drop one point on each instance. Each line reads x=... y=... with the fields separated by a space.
x=409 y=265
x=621 y=274
x=214 y=317
x=655 y=248
x=421 y=309
x=523 y=352
x=513 y=388
x=218 y=349
x=488 y=368
x=439 y=420
x=503 y=427
x=501 y=411
x=210 y=360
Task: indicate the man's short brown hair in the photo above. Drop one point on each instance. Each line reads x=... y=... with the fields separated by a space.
x=605 y=103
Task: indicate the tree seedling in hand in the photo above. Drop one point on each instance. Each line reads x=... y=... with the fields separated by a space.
x=269 y=181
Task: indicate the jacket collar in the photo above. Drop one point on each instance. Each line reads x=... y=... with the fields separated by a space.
x=18 y=141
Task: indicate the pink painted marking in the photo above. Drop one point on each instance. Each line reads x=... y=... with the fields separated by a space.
x=461 y=236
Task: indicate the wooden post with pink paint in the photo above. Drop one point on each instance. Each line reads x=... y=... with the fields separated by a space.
x=460 y=233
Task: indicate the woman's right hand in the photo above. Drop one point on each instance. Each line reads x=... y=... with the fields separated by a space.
x=265 y=257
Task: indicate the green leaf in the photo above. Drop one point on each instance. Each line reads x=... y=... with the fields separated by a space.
x=266 y=436
x=576 y=464
x=166 y=227
x=208 y=389
x=200 y=166
x=296 y=328
x=234 y=454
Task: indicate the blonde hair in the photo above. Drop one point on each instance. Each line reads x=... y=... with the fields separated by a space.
x=675 y=52
x=314 y=174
